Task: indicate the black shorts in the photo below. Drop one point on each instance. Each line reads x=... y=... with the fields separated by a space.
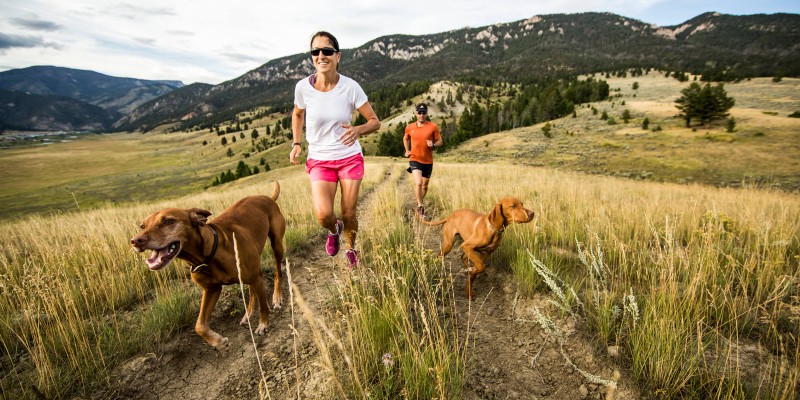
x=425 y=168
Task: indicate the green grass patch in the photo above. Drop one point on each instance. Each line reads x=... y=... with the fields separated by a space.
x=718 y=137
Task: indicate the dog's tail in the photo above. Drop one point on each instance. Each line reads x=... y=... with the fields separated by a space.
x=277 y=191
x=431 y=223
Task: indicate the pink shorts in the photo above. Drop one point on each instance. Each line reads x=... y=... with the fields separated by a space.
x=333 y=170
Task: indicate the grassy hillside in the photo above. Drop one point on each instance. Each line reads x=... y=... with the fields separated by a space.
x=696 y=287
x=764 y=149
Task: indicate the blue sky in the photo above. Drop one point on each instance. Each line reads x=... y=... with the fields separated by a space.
x=192 y=42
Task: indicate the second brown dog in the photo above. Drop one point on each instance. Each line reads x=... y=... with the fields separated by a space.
x=481 y=233
x=208 y=246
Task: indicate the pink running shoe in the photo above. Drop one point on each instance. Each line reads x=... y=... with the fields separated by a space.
x=352 y=256
x=332 y=245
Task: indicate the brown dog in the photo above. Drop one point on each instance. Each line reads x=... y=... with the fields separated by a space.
x=208 y=247
x=481 y=233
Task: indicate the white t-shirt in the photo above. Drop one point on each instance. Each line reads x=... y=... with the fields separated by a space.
x=325 y=114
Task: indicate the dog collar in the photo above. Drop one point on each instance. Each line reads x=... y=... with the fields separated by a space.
x=495 y=229
x=210 y=257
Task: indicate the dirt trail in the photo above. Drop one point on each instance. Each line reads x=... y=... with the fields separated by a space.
x=510 y=357
x=186 y=368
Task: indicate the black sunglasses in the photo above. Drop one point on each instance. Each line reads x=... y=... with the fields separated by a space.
x=327 y=51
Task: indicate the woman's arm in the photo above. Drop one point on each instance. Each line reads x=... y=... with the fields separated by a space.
x=298 y=118
x=354 y=132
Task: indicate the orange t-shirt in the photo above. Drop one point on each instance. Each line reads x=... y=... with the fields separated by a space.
x=420 y=152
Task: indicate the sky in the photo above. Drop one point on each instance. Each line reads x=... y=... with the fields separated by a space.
x=215 y=41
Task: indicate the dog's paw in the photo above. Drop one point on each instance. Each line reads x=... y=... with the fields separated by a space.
x=244 y=320
x=223 y=345
x=277 y=304
x=262 y=329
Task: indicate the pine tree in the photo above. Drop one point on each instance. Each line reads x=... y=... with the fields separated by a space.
x=704 y=103
x=242 y=170
x=391 y=143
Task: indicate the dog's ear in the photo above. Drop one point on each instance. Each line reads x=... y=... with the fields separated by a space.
x=496 y=216
x=198 y=216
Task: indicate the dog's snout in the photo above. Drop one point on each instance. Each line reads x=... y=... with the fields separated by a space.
x=138 y=240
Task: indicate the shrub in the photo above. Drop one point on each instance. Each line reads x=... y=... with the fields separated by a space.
x=547 y=130
x=730 y=125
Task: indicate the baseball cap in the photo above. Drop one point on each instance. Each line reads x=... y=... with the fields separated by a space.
x=422 y=108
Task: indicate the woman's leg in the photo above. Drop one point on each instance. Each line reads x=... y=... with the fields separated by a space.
x=350 y=188
x=322 y=196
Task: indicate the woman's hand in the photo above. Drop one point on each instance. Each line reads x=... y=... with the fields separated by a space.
x=350 y=135
x=295 y=153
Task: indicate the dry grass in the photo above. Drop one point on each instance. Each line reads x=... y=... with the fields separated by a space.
x=713 y=271
x=95 y=170
x=713 y=274
x=764 y=149
x=76 y=299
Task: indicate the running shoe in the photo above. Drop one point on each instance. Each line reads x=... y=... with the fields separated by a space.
x=332 y=244
x=352 y=257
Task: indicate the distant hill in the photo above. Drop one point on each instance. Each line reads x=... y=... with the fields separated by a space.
x=117 y=95
x=26 y=111
x=522 y=51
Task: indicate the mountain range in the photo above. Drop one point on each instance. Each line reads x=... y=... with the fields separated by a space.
x=56 y=98
x=523 y=51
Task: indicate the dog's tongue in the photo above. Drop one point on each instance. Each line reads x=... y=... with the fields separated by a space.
x=156 y=256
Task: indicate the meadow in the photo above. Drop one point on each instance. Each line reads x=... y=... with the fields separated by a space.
x=677 y=250
x=764 y=149
x=698 y=287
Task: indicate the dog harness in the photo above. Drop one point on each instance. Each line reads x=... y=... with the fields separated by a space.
x=210 y=257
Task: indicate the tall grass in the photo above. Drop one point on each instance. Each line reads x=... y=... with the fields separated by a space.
x=714 y=272
x=395 y=313
x=75 y=299
x=698 y=287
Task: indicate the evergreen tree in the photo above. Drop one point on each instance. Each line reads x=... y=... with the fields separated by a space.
x=242 y=170
x=391 y=143
x=704 y=103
